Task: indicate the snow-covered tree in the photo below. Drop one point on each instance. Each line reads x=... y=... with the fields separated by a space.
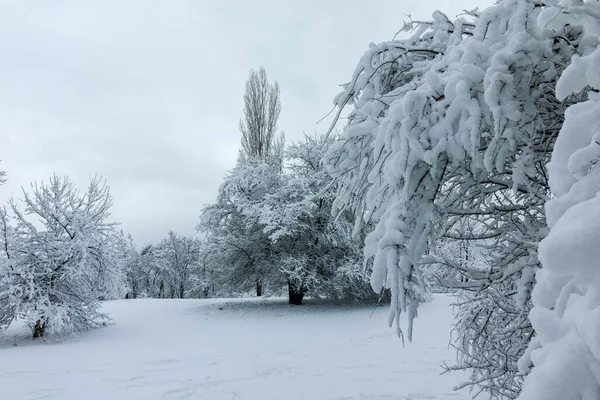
x=153 y=277
x=168 y=269
x=452 y=127
x=205 y=280
x=241 y=242
x=565 y=352
x=62 y=255
x=179 y=257
x=8 y=311
x=274 y=221
x=131 y=261
x=319 y=254
x=232 y=228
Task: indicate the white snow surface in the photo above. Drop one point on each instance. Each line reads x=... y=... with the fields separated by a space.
x=235 y=349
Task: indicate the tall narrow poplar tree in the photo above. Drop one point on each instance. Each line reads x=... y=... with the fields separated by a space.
x=262 y=107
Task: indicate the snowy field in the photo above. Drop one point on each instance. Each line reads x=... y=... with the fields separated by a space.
x=251 y=349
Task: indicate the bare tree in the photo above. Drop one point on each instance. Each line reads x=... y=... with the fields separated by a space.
x=262 y=107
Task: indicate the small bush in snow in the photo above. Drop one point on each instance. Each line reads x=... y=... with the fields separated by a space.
x=60 y=257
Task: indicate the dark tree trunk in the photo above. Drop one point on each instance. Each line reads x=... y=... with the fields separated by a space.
x=40 y=328
x=161 y=290
x=181 y=290
x=296 y=294
x=387 y=296
x=259 y=288
x=131 y=295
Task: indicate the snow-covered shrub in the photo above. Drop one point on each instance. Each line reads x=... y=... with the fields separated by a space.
x=61 y=257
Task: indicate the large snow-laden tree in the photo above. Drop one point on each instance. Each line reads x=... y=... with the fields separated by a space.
x=318 y=254
x=245 y=248
x=566 y=315
x=275 y=221
x=328 y=246
x=246 y=252
x=452 y=127
x=63 y=256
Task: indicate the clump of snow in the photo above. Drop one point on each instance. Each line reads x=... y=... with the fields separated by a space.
x=565 y=353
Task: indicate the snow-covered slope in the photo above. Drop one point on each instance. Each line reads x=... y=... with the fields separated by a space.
x=251 y=349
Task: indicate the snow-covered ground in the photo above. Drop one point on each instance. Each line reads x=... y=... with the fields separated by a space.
x=251 y=349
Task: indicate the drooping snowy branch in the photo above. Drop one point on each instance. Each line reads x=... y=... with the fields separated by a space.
x=453 y=137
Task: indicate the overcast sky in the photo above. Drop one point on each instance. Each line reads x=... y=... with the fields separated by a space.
x=148 y=94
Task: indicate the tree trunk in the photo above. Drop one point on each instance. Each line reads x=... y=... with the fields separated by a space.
x=296 y=294
x=181 y=290
x=259 y=288
x=40 y=328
